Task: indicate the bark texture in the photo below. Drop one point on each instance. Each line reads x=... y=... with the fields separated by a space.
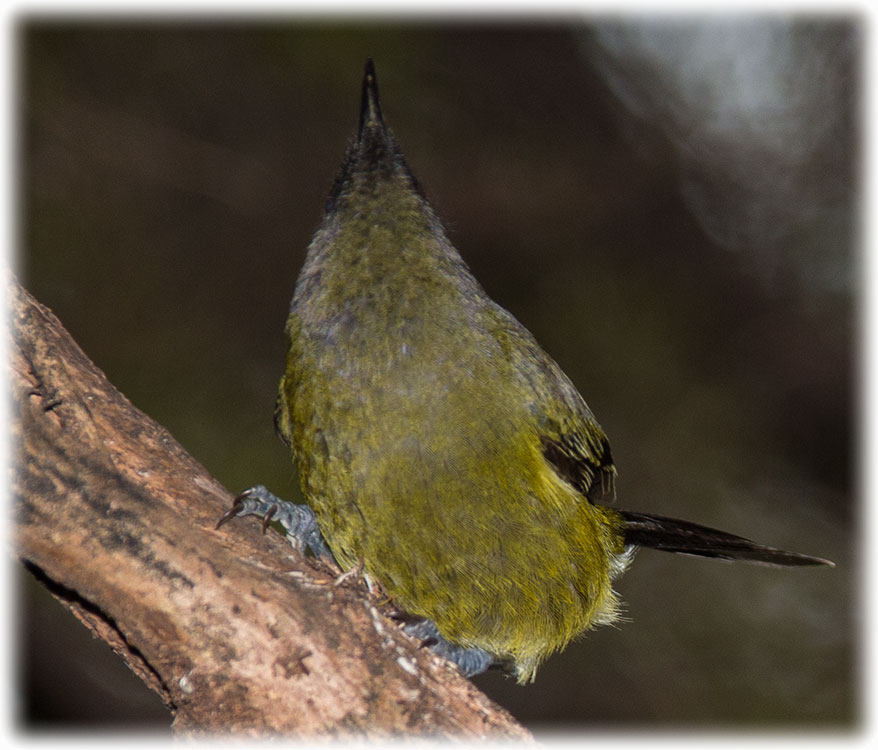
x=232 y=628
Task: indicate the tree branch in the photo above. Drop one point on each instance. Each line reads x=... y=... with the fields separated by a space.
x=233 y=629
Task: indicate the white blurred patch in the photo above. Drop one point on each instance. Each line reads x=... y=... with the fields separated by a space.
x=761 y=114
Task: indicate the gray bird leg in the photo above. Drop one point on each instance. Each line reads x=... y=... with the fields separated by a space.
x=471 y=661
x=298 y=521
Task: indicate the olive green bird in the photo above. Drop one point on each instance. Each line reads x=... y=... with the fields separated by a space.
x=439 y=446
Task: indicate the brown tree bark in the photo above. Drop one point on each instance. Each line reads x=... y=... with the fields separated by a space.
x=233 y=629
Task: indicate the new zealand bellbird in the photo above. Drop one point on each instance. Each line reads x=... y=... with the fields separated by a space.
x=439 y=446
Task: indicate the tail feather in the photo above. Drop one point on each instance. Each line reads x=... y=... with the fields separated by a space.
x=673 y=535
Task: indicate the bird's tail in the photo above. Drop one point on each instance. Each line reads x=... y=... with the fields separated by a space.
x=673 y=535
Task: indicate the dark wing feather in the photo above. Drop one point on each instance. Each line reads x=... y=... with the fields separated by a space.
x=587 y=464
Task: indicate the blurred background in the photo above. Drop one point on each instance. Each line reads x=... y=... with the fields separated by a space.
x=670 y=204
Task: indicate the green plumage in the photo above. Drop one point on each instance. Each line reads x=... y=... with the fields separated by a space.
x=417 y=409
x=436 y=441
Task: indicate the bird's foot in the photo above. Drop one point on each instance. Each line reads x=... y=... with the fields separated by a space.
x=471 y=661
x=298 y=521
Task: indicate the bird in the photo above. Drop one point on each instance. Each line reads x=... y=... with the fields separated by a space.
x=440 y=449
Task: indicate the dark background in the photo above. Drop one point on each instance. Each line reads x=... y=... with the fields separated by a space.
x=669 y=205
